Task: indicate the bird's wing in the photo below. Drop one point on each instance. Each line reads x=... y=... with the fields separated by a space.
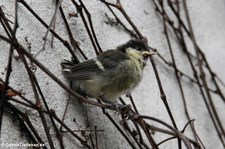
x=111 y=58
x=82 y=71
x=91 y=68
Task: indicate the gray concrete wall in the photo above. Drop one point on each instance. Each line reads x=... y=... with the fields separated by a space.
x=208 y=24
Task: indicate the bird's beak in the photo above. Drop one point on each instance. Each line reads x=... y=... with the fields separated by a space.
x=146 y=54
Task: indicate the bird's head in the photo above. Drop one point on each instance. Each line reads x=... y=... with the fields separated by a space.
x=137 y=49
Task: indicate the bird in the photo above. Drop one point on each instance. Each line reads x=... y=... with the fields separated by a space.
x=111 y=74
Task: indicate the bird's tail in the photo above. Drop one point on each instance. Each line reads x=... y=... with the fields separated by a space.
x=66 y=64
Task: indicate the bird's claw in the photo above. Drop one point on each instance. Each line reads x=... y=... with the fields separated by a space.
x=122 y=108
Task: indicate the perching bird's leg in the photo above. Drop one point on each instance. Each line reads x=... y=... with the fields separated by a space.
x=128 y=94
x=119 y=107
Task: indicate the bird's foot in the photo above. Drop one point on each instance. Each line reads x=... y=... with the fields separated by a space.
x=122 y=108
x=119 y=107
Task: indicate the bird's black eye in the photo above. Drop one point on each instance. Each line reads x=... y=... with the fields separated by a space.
x=138 y=48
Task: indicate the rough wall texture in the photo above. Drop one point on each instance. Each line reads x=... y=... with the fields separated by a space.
x=208 y=24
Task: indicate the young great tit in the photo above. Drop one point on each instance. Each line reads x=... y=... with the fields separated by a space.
x=110 y=74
